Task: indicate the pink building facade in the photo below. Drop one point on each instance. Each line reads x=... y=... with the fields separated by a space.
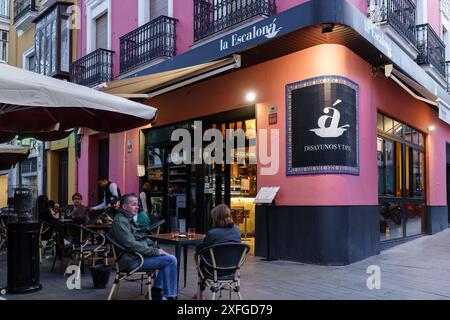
x=356 y=96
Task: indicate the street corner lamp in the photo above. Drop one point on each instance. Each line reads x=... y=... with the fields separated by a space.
x=431 y=128
x=250 y=96
x=327 y=27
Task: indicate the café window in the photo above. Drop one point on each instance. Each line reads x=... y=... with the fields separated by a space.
x=52 y=42
x=401 y=179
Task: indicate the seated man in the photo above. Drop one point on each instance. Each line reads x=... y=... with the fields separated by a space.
x=125 y=231
x=78 y=212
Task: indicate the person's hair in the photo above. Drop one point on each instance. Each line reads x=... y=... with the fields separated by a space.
x=221 y=216
x=51 y=203
x=77 y=195
x=127 y=198
x=42 y=202
x=103 y=178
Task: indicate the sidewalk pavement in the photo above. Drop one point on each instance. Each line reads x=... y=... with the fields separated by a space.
x=419 y=269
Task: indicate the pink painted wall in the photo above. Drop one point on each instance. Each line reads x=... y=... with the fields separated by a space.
x=88 y=167
x=227 y=92
x=434 y=16
x=419 y=116
x=124 y=19
x=117 y=154
x=184 y=12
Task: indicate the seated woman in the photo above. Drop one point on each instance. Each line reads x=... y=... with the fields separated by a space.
x=223 y=231
x=44 y=213
x=223 y=228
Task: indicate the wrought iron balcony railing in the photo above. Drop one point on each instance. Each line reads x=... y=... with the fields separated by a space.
x=211 y=16
x=23 y=7
x=400 y=14
x=93 y=69
x=447 y=69
x=431 y=48
x=152 y=40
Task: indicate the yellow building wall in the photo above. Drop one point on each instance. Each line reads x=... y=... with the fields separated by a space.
x=19 y=44
x=3 y=191
x=53 y=167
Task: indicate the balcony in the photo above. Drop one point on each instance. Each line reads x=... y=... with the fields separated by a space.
x=400 y=14
x=447 y=69
x=431 y=49
x=25 y=11
x=212 y=16
x=153 y=40
x=93 y=69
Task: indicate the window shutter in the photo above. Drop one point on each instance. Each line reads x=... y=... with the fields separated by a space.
x=158 y=8
x=102 y=32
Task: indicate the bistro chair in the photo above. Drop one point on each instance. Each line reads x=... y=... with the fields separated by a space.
x=129 y=275
x=218 y=268
x=86 y=244
x=3 y=233
x=155 y=226
x=46 y=236
x=62 y=244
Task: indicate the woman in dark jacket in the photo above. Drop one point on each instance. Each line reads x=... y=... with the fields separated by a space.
x=45 y=214
x=223 y=231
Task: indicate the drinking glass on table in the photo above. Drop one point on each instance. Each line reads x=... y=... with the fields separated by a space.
x=191 y=233
x=175 y=233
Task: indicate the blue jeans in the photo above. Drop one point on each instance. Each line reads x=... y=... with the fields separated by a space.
x=167 y=274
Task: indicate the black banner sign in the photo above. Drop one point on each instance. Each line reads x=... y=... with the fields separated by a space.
x=322 y=133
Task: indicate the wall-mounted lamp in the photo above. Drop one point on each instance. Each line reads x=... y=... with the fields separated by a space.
x=250 y=97
x=431 y=128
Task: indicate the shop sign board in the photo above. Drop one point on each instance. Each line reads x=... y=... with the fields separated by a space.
x=322 y=126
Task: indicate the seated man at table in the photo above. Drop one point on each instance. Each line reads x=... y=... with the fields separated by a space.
x=78 y=212
x=125 y=231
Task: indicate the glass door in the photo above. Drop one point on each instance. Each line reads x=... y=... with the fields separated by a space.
x=401 y=180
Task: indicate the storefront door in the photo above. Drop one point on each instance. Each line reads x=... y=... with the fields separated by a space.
x=401 y=180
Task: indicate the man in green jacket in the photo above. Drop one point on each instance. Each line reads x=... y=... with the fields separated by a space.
x=125 y=231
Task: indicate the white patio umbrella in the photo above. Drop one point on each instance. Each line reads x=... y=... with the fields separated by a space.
x=10 y=155
x=34 y=103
